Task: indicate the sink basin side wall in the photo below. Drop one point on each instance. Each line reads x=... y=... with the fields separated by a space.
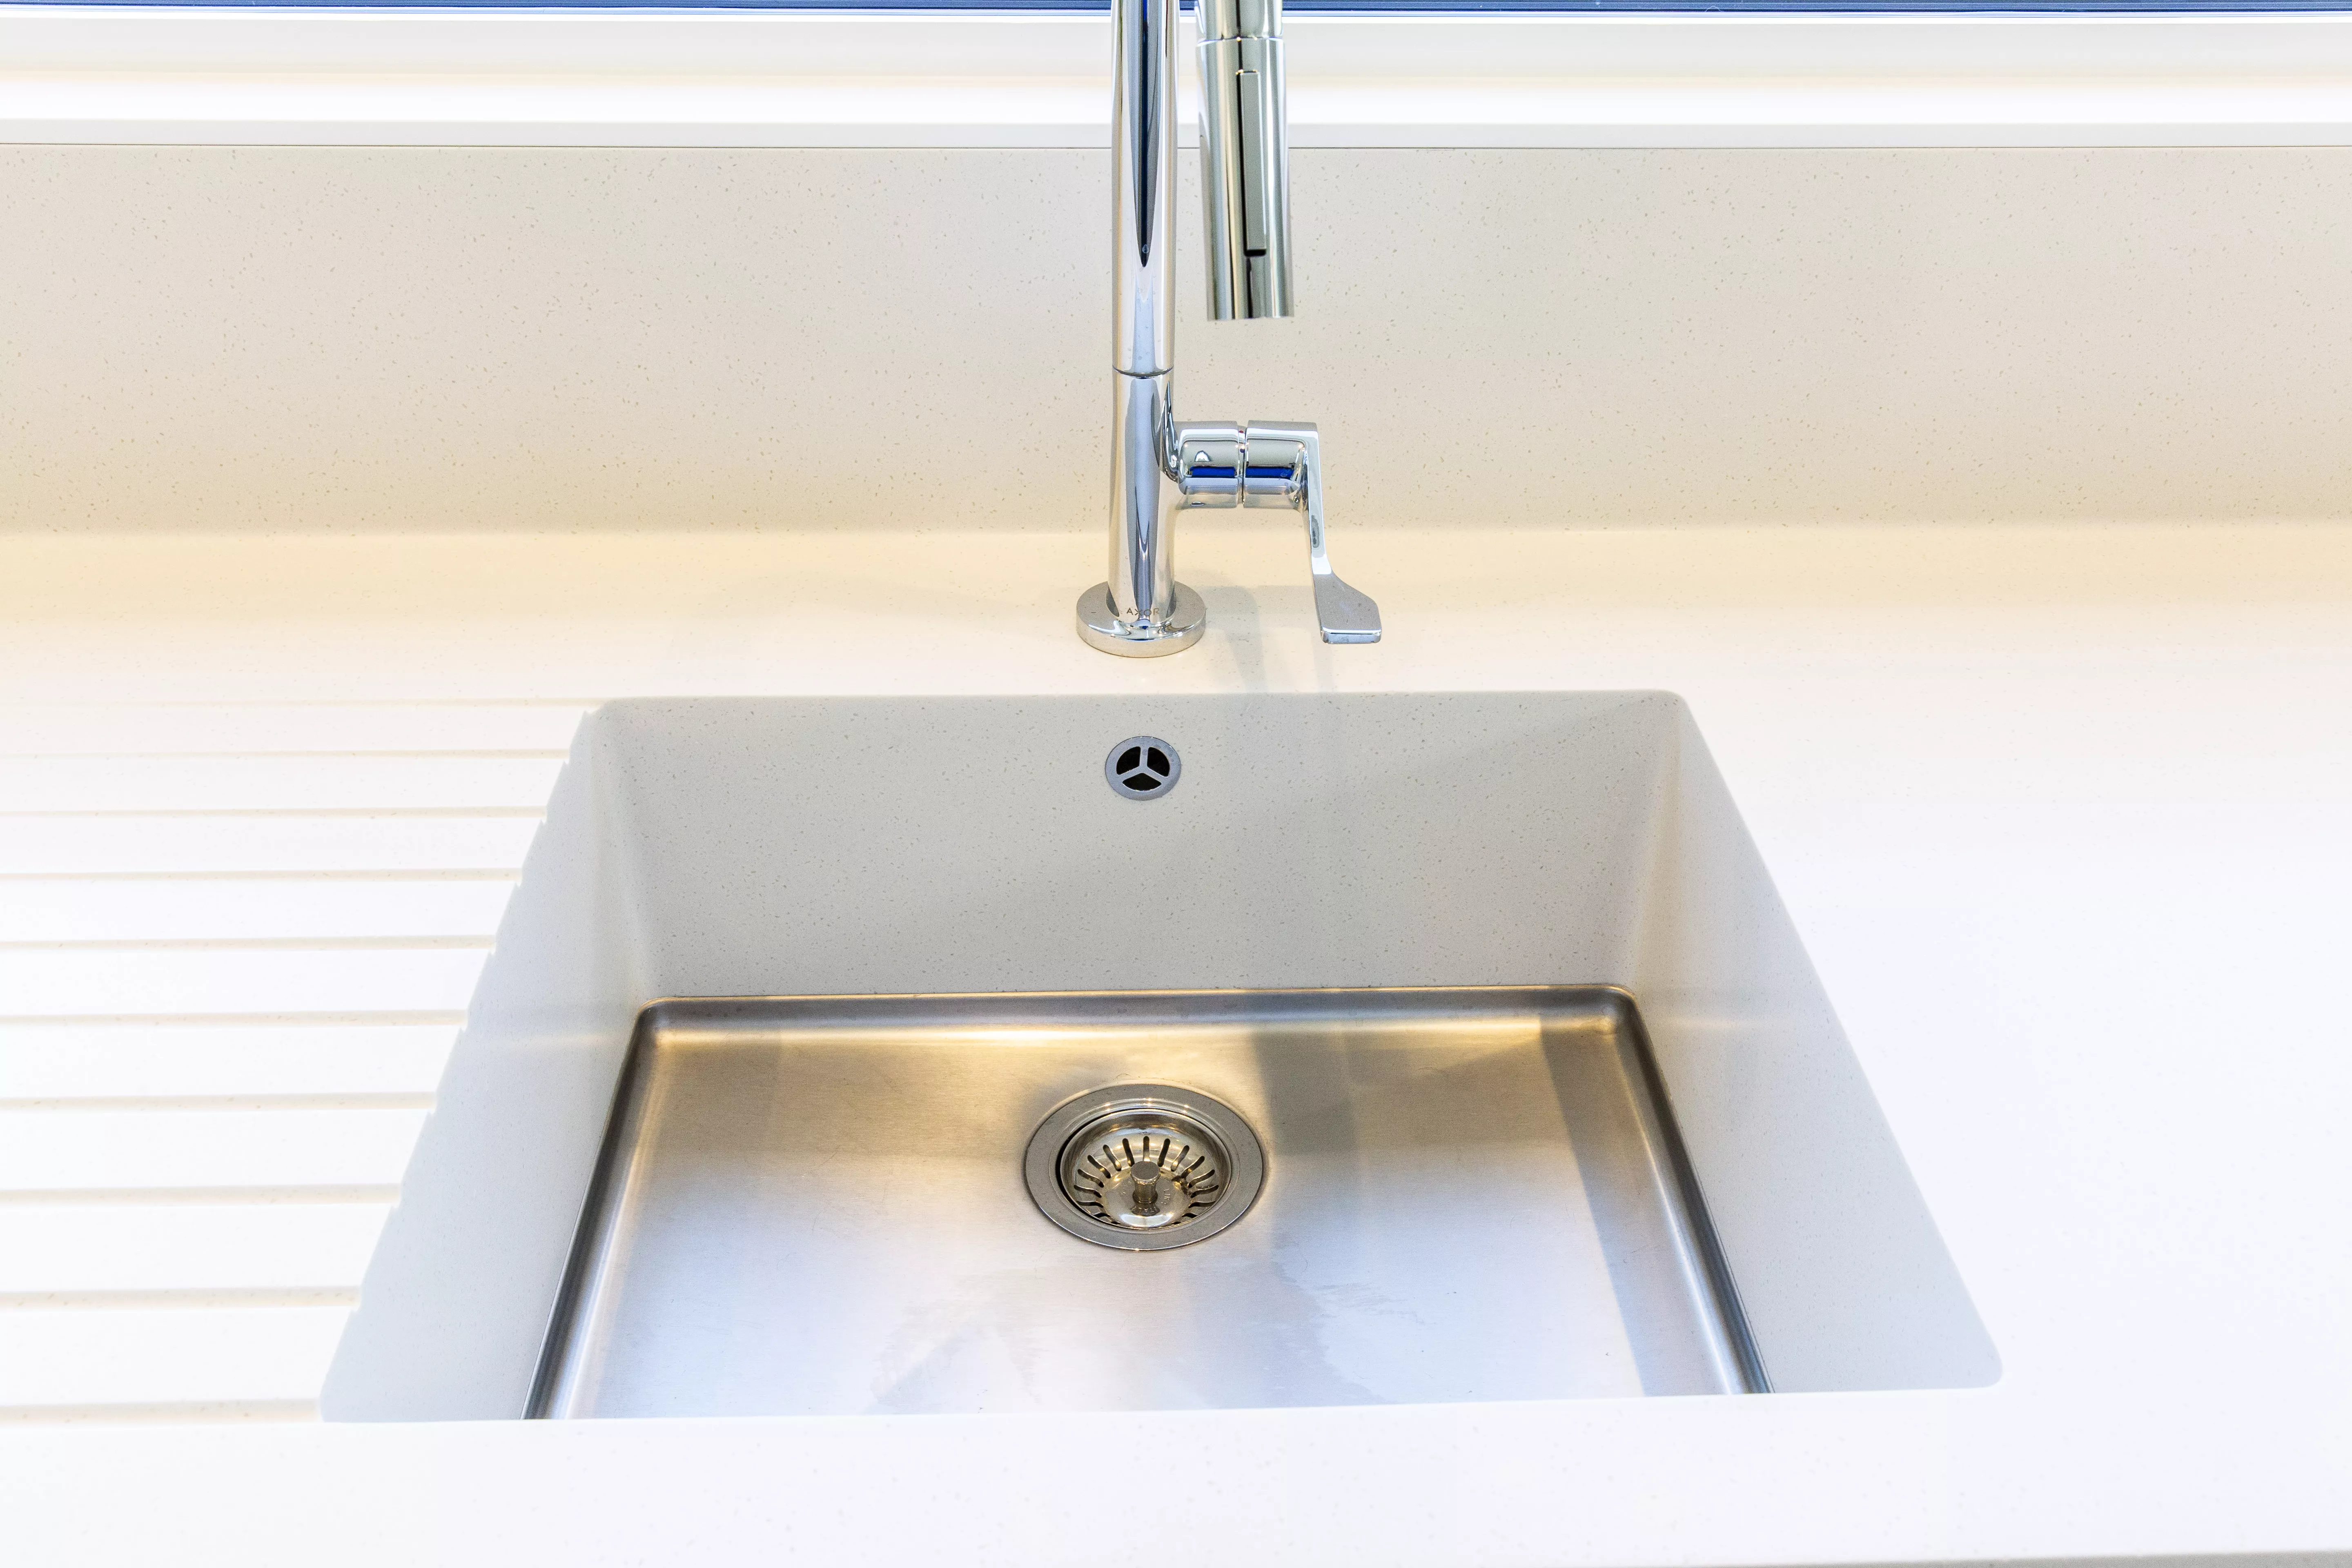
x=456 y=1301
x=798 y=848
x=1844 y=1279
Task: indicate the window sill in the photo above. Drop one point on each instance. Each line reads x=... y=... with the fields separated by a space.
x=777 y=80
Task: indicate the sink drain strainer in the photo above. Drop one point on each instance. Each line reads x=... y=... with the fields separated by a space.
x=1144 y=1166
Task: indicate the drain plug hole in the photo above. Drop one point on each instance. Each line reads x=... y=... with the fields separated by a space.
x=1143 y=767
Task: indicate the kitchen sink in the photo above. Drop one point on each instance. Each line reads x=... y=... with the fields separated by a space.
x=902 y=1055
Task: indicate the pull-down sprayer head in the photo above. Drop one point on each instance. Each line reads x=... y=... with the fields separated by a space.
x=1244 y=159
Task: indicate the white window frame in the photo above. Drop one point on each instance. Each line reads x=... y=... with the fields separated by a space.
x=734 y=78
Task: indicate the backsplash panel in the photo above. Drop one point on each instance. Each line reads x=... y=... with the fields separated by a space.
x=346 y=340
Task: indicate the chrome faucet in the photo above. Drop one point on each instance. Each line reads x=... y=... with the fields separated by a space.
x=1160 y=466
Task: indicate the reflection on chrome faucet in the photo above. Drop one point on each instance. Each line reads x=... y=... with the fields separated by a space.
x=1161 y=466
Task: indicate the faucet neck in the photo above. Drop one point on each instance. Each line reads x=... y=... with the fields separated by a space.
x=1143 y=165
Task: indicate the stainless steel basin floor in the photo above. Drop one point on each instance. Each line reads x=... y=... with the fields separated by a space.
x=816 y=1206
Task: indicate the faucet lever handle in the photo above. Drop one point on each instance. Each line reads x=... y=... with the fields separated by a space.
x=1282 y=465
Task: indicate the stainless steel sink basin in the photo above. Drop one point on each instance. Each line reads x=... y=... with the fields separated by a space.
x=1547 y=1100
x=815 y=1206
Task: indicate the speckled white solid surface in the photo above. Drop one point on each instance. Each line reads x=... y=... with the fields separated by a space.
x=2059 y=812
x=345 y=339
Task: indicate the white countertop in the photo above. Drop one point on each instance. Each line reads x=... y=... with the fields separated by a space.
x=2065 y=816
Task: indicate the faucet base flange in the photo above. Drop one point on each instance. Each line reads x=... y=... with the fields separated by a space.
x=1099 y=625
